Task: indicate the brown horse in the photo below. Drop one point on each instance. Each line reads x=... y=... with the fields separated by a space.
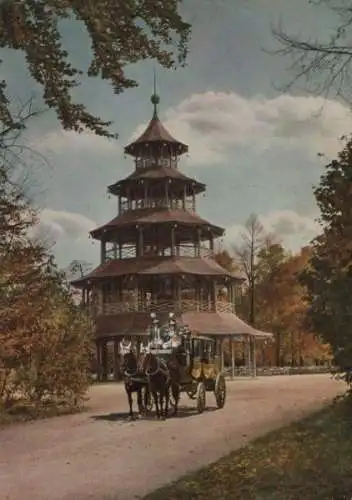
x=159 y=381
x=133 y=381
x=162 y=376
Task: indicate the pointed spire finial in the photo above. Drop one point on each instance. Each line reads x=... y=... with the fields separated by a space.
x=155 y=99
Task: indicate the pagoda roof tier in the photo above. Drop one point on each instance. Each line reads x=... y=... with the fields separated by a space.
x=153 y=216
x=156 y=173
x=155 y=135
x=212 y=324
x=156 y=265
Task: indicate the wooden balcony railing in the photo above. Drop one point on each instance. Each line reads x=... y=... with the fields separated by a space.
x=110 y=308
x=183 y=250
x=142 y=163
x=174 y=204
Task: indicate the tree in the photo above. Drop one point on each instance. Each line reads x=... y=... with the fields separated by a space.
x=269 y=291
x=79 y=268
x=270 y=258
x=45 y=340
x=282 y=305
x=329 y=275
x=225 y=260
x=253 y=239
x=325 y=66
x=121 y=32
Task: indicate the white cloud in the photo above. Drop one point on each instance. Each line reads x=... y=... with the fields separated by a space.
x=215 y=124
x=57 y=141
x=57 y=226
x=287 y=226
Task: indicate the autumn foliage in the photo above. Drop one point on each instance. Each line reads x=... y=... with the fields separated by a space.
x=280 y=303
x=45 y=339
x=282 y=306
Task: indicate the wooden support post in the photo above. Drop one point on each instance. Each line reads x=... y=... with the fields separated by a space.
x=233 y=357
x=233 y=298
x=184 y=205
x=167 y=192
x=211 y=245
x=213 y=296
x=119 y=205
x=120 y=250
x=102 y=251
x=140 y=242
x=199 y=240
x=173 y=252
x=249 y=353
x=254 y=354
x=129 y=201
x=104 y=360
x=117 y=374
x=145 y=201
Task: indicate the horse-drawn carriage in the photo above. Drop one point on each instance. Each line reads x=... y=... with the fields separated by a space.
x=171 y=362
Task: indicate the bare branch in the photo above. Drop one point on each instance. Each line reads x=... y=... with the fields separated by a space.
x=324 y=67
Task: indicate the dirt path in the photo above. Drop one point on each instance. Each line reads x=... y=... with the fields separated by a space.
x=98 y=455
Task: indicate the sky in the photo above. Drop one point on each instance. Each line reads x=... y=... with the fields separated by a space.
x=255 y=148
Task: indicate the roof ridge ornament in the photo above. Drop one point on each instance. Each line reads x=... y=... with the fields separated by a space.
x=155 y=99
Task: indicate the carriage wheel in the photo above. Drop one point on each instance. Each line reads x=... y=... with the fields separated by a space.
x=201 y=397
x=192 y=394
x=147 y=400
x=220 y=390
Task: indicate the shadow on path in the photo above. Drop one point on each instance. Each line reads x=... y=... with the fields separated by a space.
x=183 y=412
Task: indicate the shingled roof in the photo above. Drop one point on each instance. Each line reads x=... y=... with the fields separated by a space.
x=158 y=172
x=155 y=133
x=199 y=323
x=156 y=265
x=155 y=215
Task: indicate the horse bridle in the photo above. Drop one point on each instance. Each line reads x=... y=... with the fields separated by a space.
x=159 y=368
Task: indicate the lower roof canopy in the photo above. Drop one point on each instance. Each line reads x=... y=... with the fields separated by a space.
x=199 y=323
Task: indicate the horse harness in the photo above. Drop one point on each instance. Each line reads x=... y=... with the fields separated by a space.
x=161 y=368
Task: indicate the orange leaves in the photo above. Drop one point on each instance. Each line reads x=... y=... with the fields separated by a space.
x=282 y=307
x=45 y=341
x=226 y=260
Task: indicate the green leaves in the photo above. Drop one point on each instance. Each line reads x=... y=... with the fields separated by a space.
x=329 y=277
x=121 y=32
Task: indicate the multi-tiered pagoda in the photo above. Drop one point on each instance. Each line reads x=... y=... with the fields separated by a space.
x=157 y=254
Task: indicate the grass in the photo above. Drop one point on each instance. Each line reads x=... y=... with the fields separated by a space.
x=22 y=411
x=308 y=460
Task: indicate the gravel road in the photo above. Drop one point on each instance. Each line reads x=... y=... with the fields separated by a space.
x=100 y=455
